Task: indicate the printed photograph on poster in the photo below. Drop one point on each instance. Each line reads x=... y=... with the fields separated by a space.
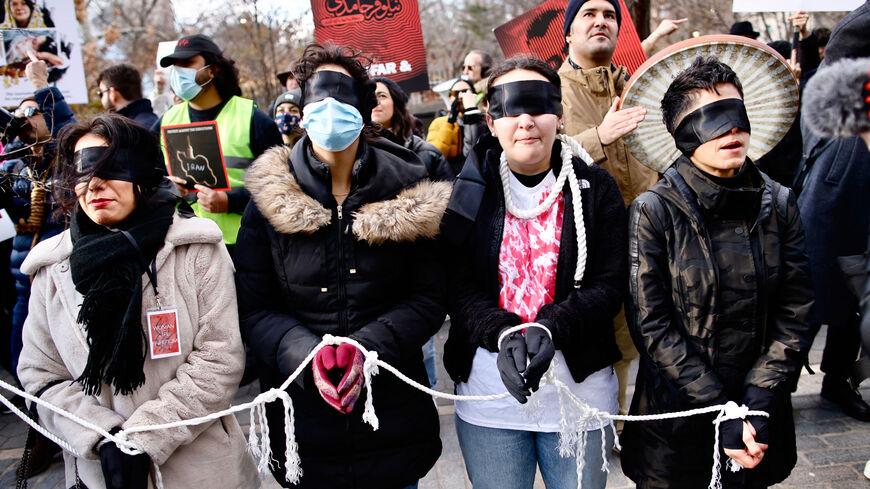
x=361 y=24
x=194 y=154
x=49 y=30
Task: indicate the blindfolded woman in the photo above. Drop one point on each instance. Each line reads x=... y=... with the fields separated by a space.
x=132 y=319
x=539 y=241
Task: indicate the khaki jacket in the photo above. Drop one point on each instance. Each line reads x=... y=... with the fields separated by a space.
x=586 y=98
x=194 y=275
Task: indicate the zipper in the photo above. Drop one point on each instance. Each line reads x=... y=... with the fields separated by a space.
x=342 y=293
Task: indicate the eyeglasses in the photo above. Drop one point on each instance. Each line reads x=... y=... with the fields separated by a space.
x=454 y=93
x=469 y=68
x=100 y=91
x=25 y=112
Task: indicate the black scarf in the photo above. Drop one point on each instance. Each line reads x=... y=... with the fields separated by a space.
x=107 y=269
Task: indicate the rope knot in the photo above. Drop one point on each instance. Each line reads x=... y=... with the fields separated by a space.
x=329 y=339
x=732 y=411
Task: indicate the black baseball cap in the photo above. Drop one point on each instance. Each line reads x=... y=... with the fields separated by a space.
x=190 y=46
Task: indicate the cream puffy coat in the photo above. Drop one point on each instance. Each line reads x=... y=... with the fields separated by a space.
x=194 y=275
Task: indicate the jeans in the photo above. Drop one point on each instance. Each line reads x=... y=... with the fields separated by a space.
x=500 y=458
x=429 y=362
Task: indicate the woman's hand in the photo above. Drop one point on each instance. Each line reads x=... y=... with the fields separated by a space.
x=329 y=362
x=214 y=201
x=751 y=454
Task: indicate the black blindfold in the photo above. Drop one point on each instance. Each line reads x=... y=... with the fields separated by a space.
x=325 y=83
x=709 y=122
x=524 y=97
x=124 y=164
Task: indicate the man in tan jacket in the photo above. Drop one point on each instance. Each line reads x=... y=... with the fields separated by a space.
x=591 y=85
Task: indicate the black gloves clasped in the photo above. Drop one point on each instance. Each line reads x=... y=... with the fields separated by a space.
x=122 y=471
x=523 y=360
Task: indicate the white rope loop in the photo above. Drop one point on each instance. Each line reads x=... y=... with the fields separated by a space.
x=520 y=327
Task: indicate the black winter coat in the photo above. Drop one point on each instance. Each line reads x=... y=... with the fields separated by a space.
x=689 y=359
x=365 y=269
x=432 y=157
x=581 y=320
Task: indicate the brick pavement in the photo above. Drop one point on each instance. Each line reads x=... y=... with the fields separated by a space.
x=832 y=448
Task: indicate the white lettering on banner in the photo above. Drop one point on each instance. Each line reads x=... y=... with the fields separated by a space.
x=404 y=66
x=381 y=69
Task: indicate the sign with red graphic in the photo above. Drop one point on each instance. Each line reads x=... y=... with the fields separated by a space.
x=386 y=30
x=163 y=336
x=539 y=32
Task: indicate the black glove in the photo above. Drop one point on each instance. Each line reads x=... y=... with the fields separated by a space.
x=454 y=110
x=122 y=471
x=540 y=349
x=511 y=362
x=760 y=399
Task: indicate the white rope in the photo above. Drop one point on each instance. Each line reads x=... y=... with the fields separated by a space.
x=576 y=417
x=569 y=147
x=520 y=327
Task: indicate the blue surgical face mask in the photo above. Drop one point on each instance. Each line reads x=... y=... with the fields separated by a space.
x=183 y=82
x=286 y=122
x=332 y=125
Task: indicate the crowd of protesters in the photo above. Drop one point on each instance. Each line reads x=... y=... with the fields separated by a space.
x=521 y=213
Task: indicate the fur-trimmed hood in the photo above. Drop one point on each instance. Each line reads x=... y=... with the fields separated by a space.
x=415 y=212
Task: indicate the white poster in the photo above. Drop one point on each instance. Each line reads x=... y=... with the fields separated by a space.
x=795 y=5
x=49 y=30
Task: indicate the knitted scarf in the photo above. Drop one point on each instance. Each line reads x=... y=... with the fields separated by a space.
x=107 y=269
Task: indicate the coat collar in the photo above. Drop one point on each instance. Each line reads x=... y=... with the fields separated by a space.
x=598 y=79
x=412 y=211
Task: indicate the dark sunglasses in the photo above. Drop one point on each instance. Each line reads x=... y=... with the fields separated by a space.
x=25 y=112
x=454 y=93
x=469 y=68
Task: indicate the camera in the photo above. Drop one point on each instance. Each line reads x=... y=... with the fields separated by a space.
x=10 y=126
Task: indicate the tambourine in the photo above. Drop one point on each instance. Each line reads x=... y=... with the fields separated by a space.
x=770 y=93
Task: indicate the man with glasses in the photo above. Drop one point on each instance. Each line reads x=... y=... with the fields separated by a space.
x=28 y=200
x=120 y=90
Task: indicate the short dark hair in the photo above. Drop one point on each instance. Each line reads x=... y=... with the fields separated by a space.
x=485 y=62
x=121 y=133
x=704 y=73
x=523 y=62
x=123 y=78
x=823 y=34
x=227 y=78
x=352 y=60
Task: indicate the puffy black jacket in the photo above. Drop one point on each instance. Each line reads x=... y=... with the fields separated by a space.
x=581 y=320
x=366 y=269
x=433 y=158
x=695 y=351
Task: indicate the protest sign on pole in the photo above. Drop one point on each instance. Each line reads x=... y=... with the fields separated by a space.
x=388 y=31
x=539 y=32
x=795 y=5
x=50 y=32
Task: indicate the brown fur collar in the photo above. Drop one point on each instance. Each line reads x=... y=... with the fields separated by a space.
x=414 y=213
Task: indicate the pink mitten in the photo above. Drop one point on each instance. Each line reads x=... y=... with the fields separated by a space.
x=324 y=361
x=349 y=358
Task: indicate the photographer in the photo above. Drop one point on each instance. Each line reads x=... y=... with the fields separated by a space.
x=36 y=122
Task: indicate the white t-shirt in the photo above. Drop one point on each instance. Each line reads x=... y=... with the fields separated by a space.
x=528 y=259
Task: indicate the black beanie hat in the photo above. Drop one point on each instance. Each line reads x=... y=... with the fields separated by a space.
x=574 y=7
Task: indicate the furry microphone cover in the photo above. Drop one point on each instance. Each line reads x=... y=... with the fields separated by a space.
x=835 y=99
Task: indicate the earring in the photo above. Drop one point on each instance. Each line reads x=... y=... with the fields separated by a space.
x=493 y=133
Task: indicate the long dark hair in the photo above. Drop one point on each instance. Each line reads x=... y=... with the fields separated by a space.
x=356 y=64
x=402 y=122
x=226 y=80
x=121 y=133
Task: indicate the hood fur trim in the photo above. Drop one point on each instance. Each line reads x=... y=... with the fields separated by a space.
x=279 y=197
x=415 y=213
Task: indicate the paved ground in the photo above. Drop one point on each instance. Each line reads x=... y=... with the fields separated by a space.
x=833 y=448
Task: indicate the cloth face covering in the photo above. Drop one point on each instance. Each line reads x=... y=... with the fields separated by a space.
x=709 y=122
x=183 y=82
x=286 y=123
x=331 y=124
x=126 y=165
x=331 y=84
x=524 y=97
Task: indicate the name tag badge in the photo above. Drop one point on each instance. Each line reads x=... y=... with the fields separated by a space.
x=163 y=336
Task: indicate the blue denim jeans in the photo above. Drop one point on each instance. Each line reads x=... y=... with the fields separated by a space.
x=499 y=458
x=429 y=362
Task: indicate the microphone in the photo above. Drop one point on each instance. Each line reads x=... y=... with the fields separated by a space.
x=836 y=100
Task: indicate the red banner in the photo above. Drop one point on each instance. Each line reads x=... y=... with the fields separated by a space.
x=539 y=32
x=387 y=30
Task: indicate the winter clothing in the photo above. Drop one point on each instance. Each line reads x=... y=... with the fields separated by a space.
x=432 y=158
x=720 y=302
x=366 y=269
x=23 y=173
x=140 y=111
x=581 y=320
x=586 y=97
x=455 y=139
x=195 y=276
x=445 y=136
x=574 y=7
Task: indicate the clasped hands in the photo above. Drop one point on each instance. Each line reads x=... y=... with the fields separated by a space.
x=523 y=358
x=338 y=375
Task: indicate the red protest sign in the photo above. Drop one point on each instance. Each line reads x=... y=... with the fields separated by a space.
x=387 y=30
x=539 y=32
